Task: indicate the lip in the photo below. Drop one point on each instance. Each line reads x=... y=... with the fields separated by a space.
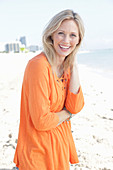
x=64 y=47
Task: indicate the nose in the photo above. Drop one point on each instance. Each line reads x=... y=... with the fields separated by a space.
x=66 y=39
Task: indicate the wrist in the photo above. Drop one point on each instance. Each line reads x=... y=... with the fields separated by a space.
x=70 y=114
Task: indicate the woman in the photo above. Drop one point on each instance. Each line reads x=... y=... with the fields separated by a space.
x=51 y=95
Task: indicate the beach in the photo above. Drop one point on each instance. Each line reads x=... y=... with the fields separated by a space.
x=92 y=128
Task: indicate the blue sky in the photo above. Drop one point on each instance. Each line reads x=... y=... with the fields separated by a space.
x=29 y=17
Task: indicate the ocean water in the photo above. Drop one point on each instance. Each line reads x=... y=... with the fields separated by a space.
x=101 y=61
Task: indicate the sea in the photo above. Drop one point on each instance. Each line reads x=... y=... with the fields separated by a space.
x=100 y=61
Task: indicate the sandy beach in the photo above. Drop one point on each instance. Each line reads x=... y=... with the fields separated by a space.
x=92 y=128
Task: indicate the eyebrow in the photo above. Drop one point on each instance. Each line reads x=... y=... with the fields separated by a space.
x=64 y=31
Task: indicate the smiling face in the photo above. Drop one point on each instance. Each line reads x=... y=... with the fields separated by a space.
x=65 y=38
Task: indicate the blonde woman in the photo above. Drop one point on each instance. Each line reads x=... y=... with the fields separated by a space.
x=51 y=96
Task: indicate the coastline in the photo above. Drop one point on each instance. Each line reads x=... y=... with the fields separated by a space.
x=92 y=128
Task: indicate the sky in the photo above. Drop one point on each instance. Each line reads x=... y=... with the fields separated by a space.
x=29 y=18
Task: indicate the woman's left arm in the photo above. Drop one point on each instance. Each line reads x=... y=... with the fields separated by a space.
x=74 y=80
x=74 y=100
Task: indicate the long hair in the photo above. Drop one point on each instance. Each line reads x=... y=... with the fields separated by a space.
x=52 y=26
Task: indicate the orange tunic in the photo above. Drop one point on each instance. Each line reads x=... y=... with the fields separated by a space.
x=42 y=145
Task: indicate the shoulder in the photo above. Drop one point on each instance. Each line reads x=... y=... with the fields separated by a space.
x=39 y=60
x=38 y=64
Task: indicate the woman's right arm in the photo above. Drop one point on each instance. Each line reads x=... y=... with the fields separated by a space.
x=38 y=92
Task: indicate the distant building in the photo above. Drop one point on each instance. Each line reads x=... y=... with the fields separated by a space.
x=23 y=40
x=2 y=47
x=33 y=48
x=12 y=46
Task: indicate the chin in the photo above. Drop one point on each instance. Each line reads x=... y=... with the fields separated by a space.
x=64 y=54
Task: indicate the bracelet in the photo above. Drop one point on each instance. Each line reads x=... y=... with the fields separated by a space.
x=70 y=116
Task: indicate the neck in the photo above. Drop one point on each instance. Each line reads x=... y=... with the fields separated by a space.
x=58 y=67
x=59 y=61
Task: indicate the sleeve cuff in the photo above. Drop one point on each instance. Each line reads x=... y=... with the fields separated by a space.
x=74 y=102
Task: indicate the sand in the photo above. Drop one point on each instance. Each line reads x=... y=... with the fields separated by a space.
x=92 y=128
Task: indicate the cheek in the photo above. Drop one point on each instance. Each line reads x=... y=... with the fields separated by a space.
x=78 y=40
x=57 y=39
x=75 y=42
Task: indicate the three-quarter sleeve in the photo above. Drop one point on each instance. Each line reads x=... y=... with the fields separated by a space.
x=38 y=92
x=74 y=102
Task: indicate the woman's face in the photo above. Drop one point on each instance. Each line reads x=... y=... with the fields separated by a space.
x=66 y=38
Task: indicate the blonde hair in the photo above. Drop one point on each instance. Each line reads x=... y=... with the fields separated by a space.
x=53 y=25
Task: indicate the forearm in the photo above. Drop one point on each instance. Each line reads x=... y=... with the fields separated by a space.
x=74 y=88
x=74 y=80
x=63 y=115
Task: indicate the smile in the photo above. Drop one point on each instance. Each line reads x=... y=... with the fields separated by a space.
x=64 y=47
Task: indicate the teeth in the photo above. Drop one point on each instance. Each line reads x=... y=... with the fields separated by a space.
x=64 y=47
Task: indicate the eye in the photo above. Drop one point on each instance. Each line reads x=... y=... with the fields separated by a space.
x=60 y=33
x=73 y=35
